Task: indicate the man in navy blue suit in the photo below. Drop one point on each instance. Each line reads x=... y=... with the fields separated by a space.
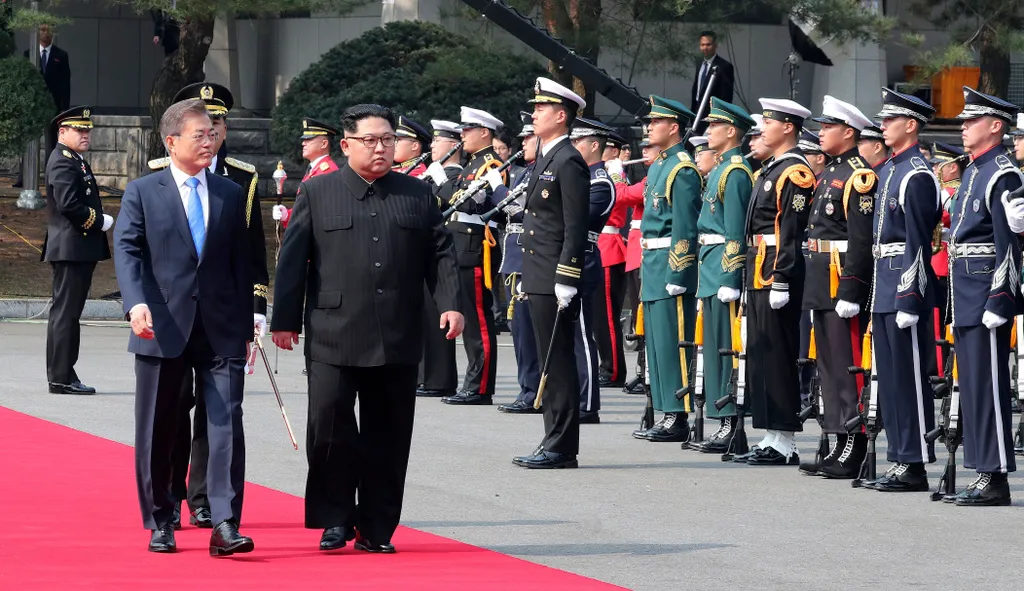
x=182 y=259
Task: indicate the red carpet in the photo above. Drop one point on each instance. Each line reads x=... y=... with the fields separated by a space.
x=70 y=519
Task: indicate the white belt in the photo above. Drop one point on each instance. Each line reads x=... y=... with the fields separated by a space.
x=634 y=224
x=467 y=218
x=817 y=245
x=706 y=239
x=610 y=230
x=892 y=249
x=513 y=228
x=655 y=243
x=972 y=250
x=592 y=236
x=757 y=239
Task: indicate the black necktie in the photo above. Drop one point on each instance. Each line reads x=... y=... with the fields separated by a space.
x=42 y=61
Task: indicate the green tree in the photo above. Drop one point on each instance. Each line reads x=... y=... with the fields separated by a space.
x=26 y=107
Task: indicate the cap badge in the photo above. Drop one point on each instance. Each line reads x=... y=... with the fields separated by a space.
x=206 y=93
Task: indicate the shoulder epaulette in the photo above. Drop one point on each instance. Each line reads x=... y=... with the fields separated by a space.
x=1004 y=162
x=856 y=162
x=919 y=163
x=736 y=159
x=601 y=173
x=239 y=164
x=800 y=175
x=684 y=157
x=68 y=154
x=159 y=163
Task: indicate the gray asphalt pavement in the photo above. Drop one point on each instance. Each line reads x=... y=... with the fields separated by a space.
x=637 y=514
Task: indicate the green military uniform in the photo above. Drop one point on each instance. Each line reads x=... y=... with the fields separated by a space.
x=721 y=228
x=669 y=257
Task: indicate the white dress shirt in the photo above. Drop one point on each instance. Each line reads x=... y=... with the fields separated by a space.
x=544 y=149
x=204 y=194
x=213 y=165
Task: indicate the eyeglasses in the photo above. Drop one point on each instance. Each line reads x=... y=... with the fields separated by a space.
x=370 y=141
x=198 y=138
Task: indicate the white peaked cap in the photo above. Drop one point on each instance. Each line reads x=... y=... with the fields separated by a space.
x=834 y=110
x=773 y=108
x=477 y=118
x=549 y=91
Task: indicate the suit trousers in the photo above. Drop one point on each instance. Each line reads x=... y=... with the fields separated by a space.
x=773 y=378
x=523 y=342
x=370 y=457
x=904 y=393
x=438 y=369
x=71 y=282
x=562 y=390
x=666 y=322
x=718 y=321
x=158 y=393
x=985 y=414
x=607 y=304
x=838 y=342
x=478 y=339
x=191 y=448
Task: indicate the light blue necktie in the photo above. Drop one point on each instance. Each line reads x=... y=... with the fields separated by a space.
x=196 y=222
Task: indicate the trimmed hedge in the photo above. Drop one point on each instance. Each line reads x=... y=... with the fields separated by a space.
x=419 y=69
x=26 y=107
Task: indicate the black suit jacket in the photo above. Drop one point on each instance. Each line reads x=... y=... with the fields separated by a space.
x=157 y=265
x=555 y=220
x=370 y=248
x=723 y=82
x=74 y=229
x=57 y=77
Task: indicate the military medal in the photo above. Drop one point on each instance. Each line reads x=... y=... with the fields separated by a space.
x=829 y=208
x=977 y=205
x=712 y=207
x=544 y=193
x=767 y=186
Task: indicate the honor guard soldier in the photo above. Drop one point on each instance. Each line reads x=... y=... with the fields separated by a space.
x=1017 y=135
x=907 y=209
x=720 y=230
x=838 y=280
x=438 y=372
x=75 y=241
x=588 y=137
x=316 y=141
x=758 y=151
x=555 y=239
x=520 y=322
x=411 y=141
x=776 y=218
x=703 y=156
x=219 y=101
x=986 y=262
x=810 y=145
x=669 y=269
x=872 y=146
x=473 y=249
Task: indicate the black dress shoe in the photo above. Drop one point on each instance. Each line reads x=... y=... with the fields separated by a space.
x=643 y=433
x=75 y=388
x=201 y=518
x=603 y=382
x=637 y=388
x=742 y=458
x=546 y=460
x=989 y=490
x=226 y=540
x=770 y=456
x=425 y=393
x=675 y=428
x=720 y=440
x=589 y=418
x=519 y=408
x=176 y=516
x=904 y=479
x=468 y=398
x=847 y=465
x=365 y=545
x=162 y=539
x=333 y=538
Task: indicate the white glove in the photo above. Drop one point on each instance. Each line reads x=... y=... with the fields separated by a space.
x=564 y=293
x=279 y=212
x=436 y=173
x=675 y=290
x=847 y=309
x=493 y=179
x=992 y=320
x=1014 y=213
x=613 y=166
x=906 y=319
x=108 y=221
x=728 y=294
x=259 y=325
x=778 y=298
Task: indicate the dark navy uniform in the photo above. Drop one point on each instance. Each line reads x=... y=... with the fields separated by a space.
x=985 y=262
x=469 y=232
x=74 y=243
x=907 y=209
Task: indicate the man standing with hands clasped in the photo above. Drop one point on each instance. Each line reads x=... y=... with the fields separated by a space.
x=554 y=241
x=372 y=238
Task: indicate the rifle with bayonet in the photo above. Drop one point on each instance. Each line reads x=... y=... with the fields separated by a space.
x=815 y=406
x=949 y=428
x=942 y=385
x=869 y=417
x=695 y=383
x=477 y=186
x=737 y=387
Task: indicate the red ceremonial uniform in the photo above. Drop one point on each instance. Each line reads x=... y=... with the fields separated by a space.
x=610 y=242
x=325 y=166
x=632 y=196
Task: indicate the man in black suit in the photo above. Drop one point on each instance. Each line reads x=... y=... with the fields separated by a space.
x=75 y=241
x=56 y=71
x=555 y=240
x=166 y=31
x=182 y=259
x=723 y=81
x=364 y=331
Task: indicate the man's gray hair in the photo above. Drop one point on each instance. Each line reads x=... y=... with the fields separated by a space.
x=174 y=117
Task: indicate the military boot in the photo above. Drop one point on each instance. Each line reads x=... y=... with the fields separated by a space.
x=720 y=440
x=988 y=490
x=674 y=428
x=846 y=465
